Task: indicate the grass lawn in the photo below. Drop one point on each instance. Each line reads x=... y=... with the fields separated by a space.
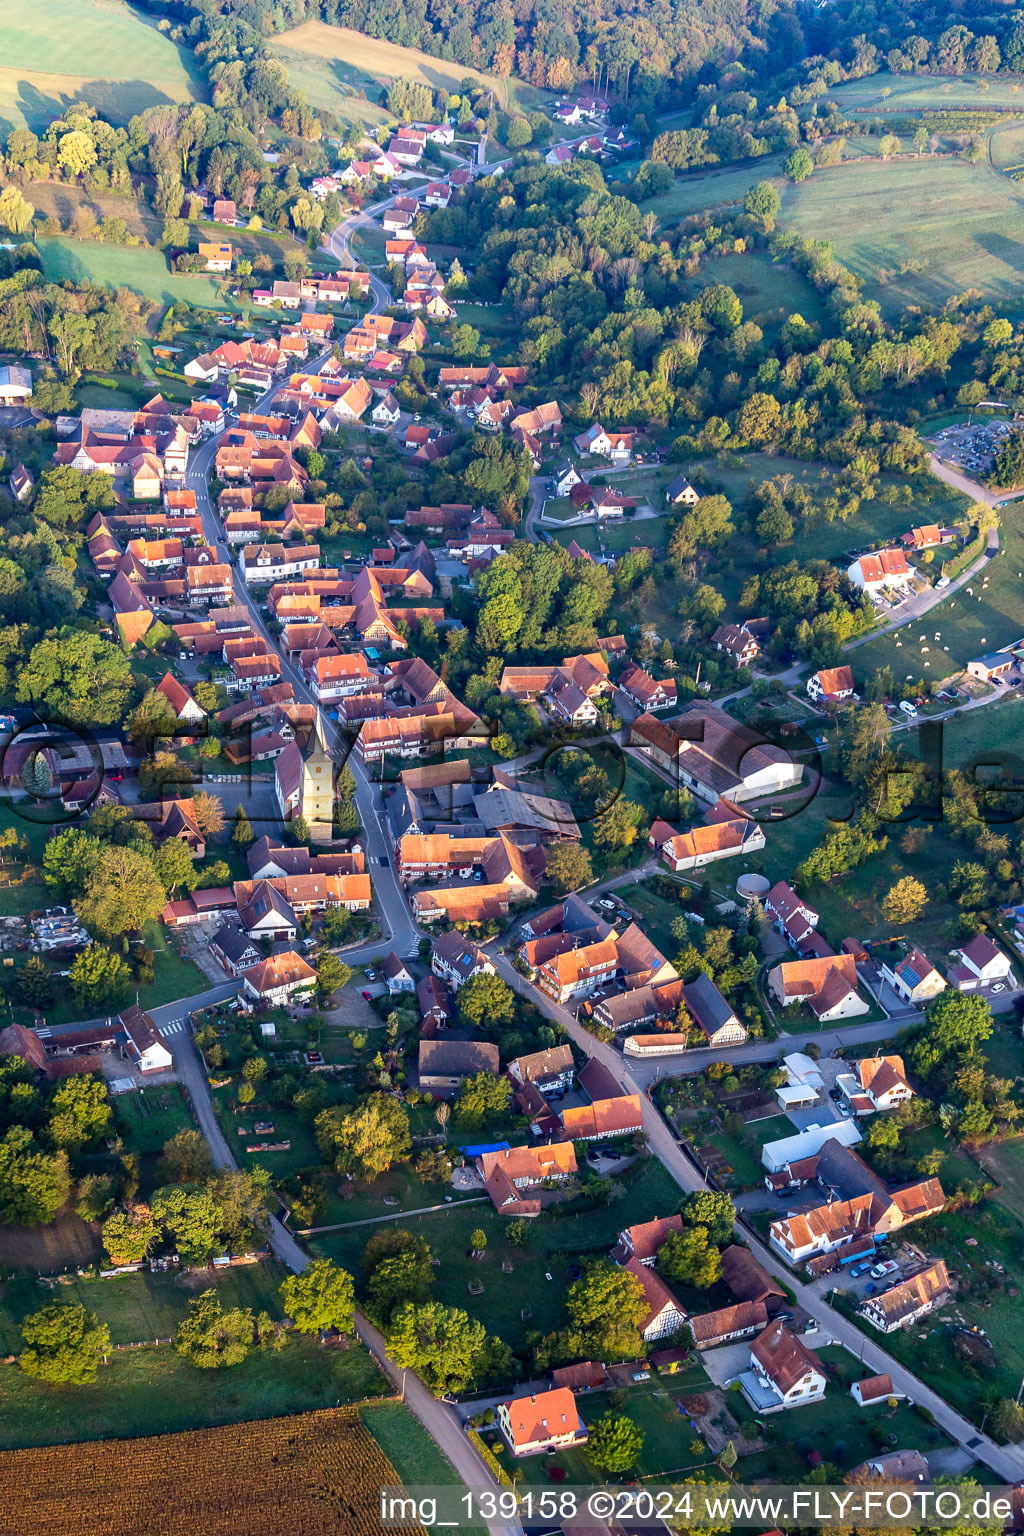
x=914 y=93
x=770 y=291
x=345 y=70
x=985 y=1298
x=99 y=51
x=143 y=270
x=540 y=1268
x=155 y=1392
x=968 y=623
x=916 y=230
x=836 y=1426
x=144 y=1306
x=147 y=1120
x=747 y=1171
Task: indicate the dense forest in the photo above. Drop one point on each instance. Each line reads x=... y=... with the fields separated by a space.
x=665 y=45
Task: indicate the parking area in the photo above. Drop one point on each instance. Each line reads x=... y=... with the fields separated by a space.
x=973 y=448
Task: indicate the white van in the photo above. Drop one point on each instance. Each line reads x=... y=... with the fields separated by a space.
x=910 y=710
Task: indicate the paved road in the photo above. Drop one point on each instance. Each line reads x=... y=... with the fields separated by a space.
x=1007 y=1462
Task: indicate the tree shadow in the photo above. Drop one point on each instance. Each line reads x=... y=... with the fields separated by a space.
x=115 y=100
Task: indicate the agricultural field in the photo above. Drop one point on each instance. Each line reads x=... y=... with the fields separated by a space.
x=770 y=291
x=916 y=230
x=99 y=51
x=345 y=71
x=318 y=1473
x=145 y=271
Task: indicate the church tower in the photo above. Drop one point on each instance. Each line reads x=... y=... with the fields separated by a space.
x=316 y=786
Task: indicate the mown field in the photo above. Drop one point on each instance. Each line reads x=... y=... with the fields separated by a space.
x=119 y=266
x=948 y=224
x=915 y=93
x=98 y=51
x=344 y=71
x=318 y=1473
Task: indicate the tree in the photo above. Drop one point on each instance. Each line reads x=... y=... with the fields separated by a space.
x=193 y=1219
x=799 y=165
x=568 y=867
x=242 y=834
x=486 y=1001
x=186 y=1159
x=99 y=976
x=124 y=892
x=208 y=814
x=322 y=1296
x=79 y=1112
x=175 y=866
x=95 y=1196
x=712 y=1209
x=759 y=418
x=762 y=202
x=402 y=1277
x=905 y=901
x=16 y=212
x=868 y=738
x=615 y=1444
x=366 y=1140
x=688 y=1258
x=34 y=983
x=69 y=859
x=76 y=152
x=1008 y=1420
x=956 y=1023
x=76 y=677
x=152 y=720
x=33 y=1184
x=606 y=1306
x=483 y=1097
x=211 y=1336
x=774 y=526
x=63 y=1343
x=128 y=1235
x=331 y=973
x=617 y=828
x=335 y=923
x=446 y=1347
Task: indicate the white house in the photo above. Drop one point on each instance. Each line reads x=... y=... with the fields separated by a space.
x=386 y=411
x=831 y=685
x=542 y=1422
x=664 y=1313
x=143 y=1042
x=397 y=975
x=982 y=965
x=913 y=977
x=784 y=1373
x=874 y=1389
x=884 y=571
x=275 y=981
x=876 y=1083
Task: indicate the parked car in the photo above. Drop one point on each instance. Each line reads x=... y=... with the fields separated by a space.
x=863 y=1268
x=887 y=1267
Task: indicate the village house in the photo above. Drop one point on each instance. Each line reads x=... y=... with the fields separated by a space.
x=550 y=1071
x=644 y=1241
x=397 y=975
x=884 y=572
x=216 y=256
x=541 y=1423
x=784 y=1372
x=232 y=948
x=664 y=1314
x=15 y=384
x=876 y=1083
x=912 y=976
x=514 y=1176
x=982 y=966
x=443 y=1065
x=714 y=755
x=645 y=692
x=622 y=1116
x=455 y=959
x=831 y=686
x=792 y=917
x=736 y=641
x=616 y=447
x=186 y=709
x=826 y=983
x=143 y=1044
x=712 y=1329
x=680 y=493
x=707 y=844
x=903 y=1304
x=275 y=982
